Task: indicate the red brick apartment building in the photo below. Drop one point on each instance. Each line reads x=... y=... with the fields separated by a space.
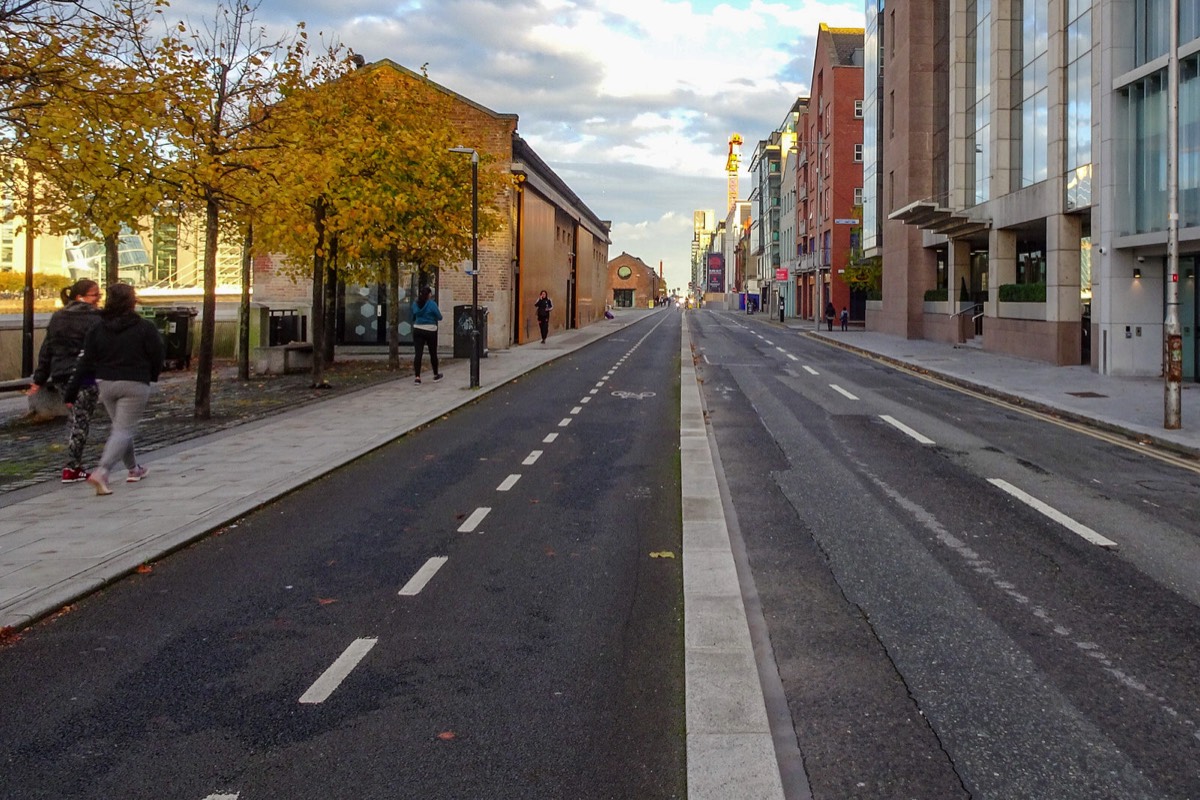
x=830 y=176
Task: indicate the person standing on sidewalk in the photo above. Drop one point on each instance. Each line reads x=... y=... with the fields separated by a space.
x=60 y=351
x=124 y=354
x=543 y=306
x=845 y=318
x=830 y=311
x=425 y=318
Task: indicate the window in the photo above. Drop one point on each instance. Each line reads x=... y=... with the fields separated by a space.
x=892 y=114
x=858 y=196
x=858 y=153
x=858 y=109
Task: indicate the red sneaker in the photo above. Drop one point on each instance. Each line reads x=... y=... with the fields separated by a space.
x=74 y=475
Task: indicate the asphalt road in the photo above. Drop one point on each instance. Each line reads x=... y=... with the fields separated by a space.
x=935 y=633
x=321 y=647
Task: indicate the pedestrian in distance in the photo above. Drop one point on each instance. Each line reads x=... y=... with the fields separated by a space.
x=830 y=311
x=65 y=334
x=425 y=318
x=543 y=306
x=845 y=318
x=124 y=354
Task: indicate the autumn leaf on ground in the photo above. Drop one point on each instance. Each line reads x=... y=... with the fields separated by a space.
x=662 y=554
x=447 y=736
x=326 y=600
x=143 y=569
x=550 y=551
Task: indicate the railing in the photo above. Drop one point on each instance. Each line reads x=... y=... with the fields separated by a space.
x=976 y=312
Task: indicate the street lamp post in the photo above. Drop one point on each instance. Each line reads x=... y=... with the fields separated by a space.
x=476 y=342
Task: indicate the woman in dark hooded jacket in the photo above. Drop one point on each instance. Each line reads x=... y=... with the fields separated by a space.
x=56 y=362
x=124 y=353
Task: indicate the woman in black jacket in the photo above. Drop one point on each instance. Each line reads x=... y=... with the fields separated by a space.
x=124 y=353
x=56 y=362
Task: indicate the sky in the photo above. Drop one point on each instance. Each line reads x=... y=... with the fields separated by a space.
x=631 y=102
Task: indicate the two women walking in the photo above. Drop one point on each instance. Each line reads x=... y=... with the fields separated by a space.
x=122 y=355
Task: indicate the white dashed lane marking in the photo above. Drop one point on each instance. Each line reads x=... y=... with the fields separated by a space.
x=508 y=483
x=472 y=522
x=532 y=458
x=898 y=425
x=565 y=422
x=811 y=371
x=332 y=678
x=550 y=437
x=418 y=581
x=842 y=391
x=1054 y=514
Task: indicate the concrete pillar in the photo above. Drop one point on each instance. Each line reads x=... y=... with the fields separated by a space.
x=1064 y=234
x=1002 y=266
x=958 y=269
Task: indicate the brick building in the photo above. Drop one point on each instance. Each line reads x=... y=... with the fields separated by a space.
x=632 y=283
x=829 y=151
x=548 y=239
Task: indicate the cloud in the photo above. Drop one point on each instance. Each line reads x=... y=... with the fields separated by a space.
x=630 y=101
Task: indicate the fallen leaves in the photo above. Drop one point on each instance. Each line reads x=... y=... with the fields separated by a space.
x=325 y=601
x=144 y=569
x=662 y=554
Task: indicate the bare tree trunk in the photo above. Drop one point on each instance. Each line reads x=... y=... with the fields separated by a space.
x=244 y=309
x=393 y=312
x=112 y=258
x=208 y=316
x=318 y=299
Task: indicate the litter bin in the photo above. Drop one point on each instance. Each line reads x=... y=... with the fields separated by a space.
x=175 y=326
x=464 y=325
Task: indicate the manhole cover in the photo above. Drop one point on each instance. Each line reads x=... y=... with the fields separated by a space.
x=1086 y=394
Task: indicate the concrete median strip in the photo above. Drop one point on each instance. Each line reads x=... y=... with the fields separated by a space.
x=730 y=751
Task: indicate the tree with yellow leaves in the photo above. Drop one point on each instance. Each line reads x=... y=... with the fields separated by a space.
x=221 y=85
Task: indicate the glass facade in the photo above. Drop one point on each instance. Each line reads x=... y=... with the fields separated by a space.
x=1152 y=30
x=979 y=27
x=872 y=130
x=1035 y=93
x=1078 y=126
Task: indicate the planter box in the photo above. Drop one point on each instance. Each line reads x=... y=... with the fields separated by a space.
x=1035 y=311
x=936 y=306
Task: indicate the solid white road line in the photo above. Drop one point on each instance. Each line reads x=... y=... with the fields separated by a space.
x=508 y=483
x=565 y=422
x=1054 y=514
x=576 y=409
x=842 y=391
x=811 y=371
x=332 y=678
x=472 y=522
x=532 y=458
x=417 y=582
x=895 y=423
x=550 y=437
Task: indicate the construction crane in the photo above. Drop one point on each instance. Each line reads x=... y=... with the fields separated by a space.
x=731 y=168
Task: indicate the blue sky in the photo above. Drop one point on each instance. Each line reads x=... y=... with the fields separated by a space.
x=631 y=102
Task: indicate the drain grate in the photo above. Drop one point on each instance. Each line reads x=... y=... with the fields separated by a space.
x=1086 y=394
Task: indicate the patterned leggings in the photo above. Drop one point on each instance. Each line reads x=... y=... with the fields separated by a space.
x=80 y=418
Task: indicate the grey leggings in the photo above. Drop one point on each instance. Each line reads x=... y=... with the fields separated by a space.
x=125 y=401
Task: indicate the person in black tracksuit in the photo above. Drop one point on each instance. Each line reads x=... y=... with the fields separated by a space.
x=543 y=306
x=124 y=354
x=60 y=351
